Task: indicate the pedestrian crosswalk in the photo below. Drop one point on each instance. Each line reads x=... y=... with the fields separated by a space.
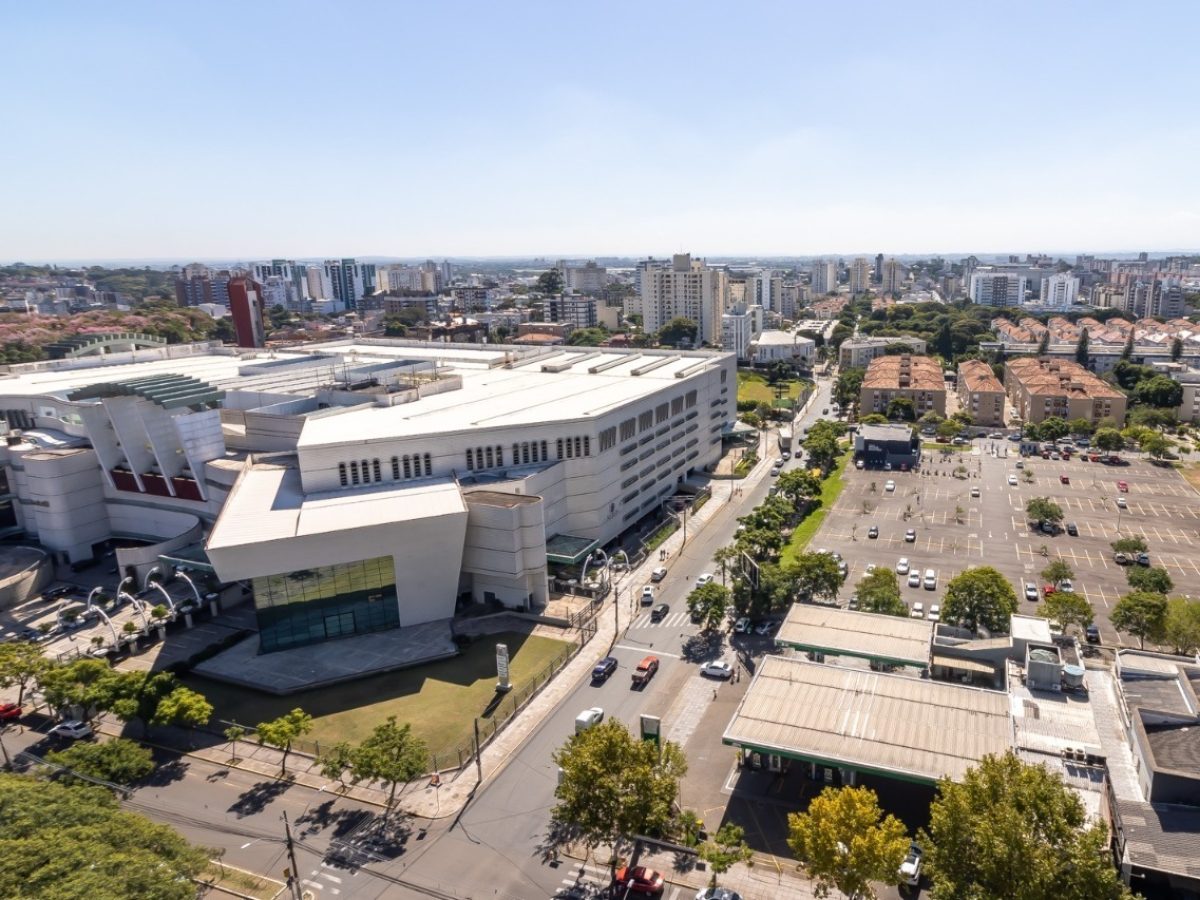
x=584 y=880
x=323 y=880
x=670 y=620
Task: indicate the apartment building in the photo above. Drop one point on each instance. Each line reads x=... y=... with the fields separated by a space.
x=1059 y=291
x=858 y=353
x=575 y=310
x=687 y=289
x=739 y=328
x=1041 y=387
x=824 y=275
x=895 y=273
x=997 y=288
x=860 y=275
x=915 y=378
x=980 y=393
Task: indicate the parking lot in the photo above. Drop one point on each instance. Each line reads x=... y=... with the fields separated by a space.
x=955 y=530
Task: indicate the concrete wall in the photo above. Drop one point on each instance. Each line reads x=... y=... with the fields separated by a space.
x=62 y=500
x=505 y=550
x=178 y=528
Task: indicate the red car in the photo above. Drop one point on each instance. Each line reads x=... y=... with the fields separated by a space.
x=1123 y=486
x=640 y=880
x=9 y=712
x=1065 y=479
x=1049 y=589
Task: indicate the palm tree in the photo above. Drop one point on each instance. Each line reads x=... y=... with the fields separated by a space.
x=725 y=556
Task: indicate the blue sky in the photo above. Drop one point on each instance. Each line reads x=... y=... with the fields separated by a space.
x=257 y=129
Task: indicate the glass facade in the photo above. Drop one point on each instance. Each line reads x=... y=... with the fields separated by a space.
x=313 y=605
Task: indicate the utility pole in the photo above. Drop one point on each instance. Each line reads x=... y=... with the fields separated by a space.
x=478 y=751
x=294 y=879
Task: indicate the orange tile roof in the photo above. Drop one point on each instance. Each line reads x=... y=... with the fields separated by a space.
x=978 y=376
x=1060 y=377
x=884 y=373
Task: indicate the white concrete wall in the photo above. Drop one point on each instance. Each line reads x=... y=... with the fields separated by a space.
x=63 y=500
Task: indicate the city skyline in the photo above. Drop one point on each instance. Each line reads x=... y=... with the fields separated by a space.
x=540 y=131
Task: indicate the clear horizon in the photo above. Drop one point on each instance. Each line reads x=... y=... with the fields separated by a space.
x=143 y=132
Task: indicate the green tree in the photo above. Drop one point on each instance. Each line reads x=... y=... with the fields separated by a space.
x=550 y=282
x=1043 y=509
x=849 y=383
x=1181 y=627
x=335 y=761
x=615 y=785
x=1043 y=343
x=86 y=684
x=1160 y=391
x=1068 y=609
x=60 y=840
x=119 y=761
x=817 y=575
x=183 y=708
x=1081 y=348
x=1080 y=427
x=21 y=666
x=799 y=485
x=943 y=341
x=1176 y=349
x=1127 y=352
x=846 y=842
x=1010 y=829
x=1108 y=440
x=708 y=605
x=1057 y=571
x=840 y=333
x=1142 y=614
x=391 y=755
x=677 y=331
x=963 y=418
x=1154 y=579
x=1134 y=544
x=980 y=596
x=587 y=337
x=1156 y=445
x=279 y=733
x=901 y=409
x=1053 y=428
x=873 y=419
x=821 y=448
x=233 y=734
x=761 y=543
x=727 y=847
x=948 y=429
x=879 y=592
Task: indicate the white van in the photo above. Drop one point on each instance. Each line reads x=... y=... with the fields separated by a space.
x=588 y=718
x=930 y=580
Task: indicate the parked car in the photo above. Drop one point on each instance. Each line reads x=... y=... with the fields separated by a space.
x=717 y=668
x=918 y=611
x=742 y=625
x=639 y=880
x=1067 y=586
x=1065 y=479
x=604 y=668
x=910 y=869
x=935 y=613
x=9 y=712
x=1122 y=559
x=910 y=536
x=588 y=718
x=930 y=581
x=647 y=595
x=1047 y=527
x=1020 y=464
x=1123 y=486
x=703 y=579
x=658 y=574
x=1031 y=591
x=889 y=485
x=1072 y=529
x=873 y=531
x=660 y=612
x=902 y=566
x=859 y=464
x=1092 y=634
x=1048 y=589
x=1012 y=480
x=1142 y=559
x=764 y=628
x=1121 y=503
x=717 y=893
x=914 y=578
x=975 y=492
x=72 y=729
x=871 y=567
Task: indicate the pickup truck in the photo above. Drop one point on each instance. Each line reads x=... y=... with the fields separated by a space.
x=645 y=671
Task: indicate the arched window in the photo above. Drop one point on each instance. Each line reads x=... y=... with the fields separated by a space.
x=342 y=474
x=395 y=468
x=428 y=464
x=375 y=470
x=354 y=472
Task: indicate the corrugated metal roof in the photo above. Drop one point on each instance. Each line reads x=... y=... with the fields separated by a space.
x=909 y=727
x=866 y=635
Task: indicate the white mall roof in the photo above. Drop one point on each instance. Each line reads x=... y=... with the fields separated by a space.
x=268 y=504
x=901 y=726
x=868 y=635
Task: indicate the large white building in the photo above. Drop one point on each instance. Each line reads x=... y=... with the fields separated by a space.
x=686 y=289
x=783 y=346
x=356 y=486
x=824 y=277
x=997 y=288
x=739 y=327
x=765 y=289
x=586 y=279
x=1059 y=291
x=860 y=275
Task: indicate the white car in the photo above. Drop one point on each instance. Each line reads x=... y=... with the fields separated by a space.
x=647 y=595
x=717 y=893
x=742 y=625
x=930 y=580
x=870 y=568
x=889 y=485
x=703 y=579
x=859 y=464
x=73 y=729
x=914 y=578
x=718 y=668
x=918 y=611
x=974 y=492
x=902 y=566
x=910 y=869
x=1031 y=591
x=588 y=718
x=1012 y=480
x=658 y=574
x=1121 y=503
x=935 y=613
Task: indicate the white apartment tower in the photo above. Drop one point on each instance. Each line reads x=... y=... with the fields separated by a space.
x=686 y=289
x=860 y=275
x=824 y=277
x=765 y=288
x=1060 y=291
x=740 y=327
x=997 y=288
x=894 y=275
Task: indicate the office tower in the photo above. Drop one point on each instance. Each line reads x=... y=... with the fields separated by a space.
x=686 y=289
x=350 y=281
x=246 y=309
x=294 y=274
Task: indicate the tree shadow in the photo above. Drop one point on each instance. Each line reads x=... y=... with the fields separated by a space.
x=166 y=773
x=369 y=838
x=323 y=816
x=703 y=646
x=257 y=798
x=557 y=837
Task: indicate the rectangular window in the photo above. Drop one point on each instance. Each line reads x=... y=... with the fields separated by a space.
x=470 y=460
x=354 y=473
x=545 y=452
x=342 y=474
x=559 y=446
x=645 y=420
x=407 y=469
x=489 y=457
x=661 y=413
x=689 y=399
x=578 y=447
x=608 y=439
x=628 y=429
x=587 y=446
x=375 y=470
x=499 y=456
x=676 y=406
x=428 y=464
x=516 y=457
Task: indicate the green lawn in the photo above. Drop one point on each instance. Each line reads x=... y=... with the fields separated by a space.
x=752 y=386
x=438 y=700
x=949 y=448
x=831 y=488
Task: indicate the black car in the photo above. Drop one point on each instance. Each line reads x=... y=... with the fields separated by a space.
x=873 y=531
x=604 y=668
x=659 y=612
x=1092 y=633
x=1072 y=529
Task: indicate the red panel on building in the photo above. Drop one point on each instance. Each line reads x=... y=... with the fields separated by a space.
x=186 y=488
x=245 y=306
x=124 y=480
x=155 y=484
